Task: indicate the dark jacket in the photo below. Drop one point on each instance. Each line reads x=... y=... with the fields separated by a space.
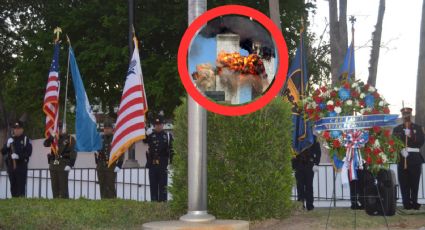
x=160 y=151
x=308 y=158
x=22 y=146
x=66 y=150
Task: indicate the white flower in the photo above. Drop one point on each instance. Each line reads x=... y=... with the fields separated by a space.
x=358 y=89
x=313 y=105
x=381 y=103
x=354 y=85
x=362 y=95
x=376 y=144
x=384 y=157
x=338 y=109
x=330 y=103
x=336 y=89
x=362 y=111
x=371 y=89
x=325 y=144
x=349 y=102
x=356 y=103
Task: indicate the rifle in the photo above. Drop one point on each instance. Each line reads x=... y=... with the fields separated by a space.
x=12 y=150
x=405 y=140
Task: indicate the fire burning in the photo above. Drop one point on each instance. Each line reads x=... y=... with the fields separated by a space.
x=245 y=65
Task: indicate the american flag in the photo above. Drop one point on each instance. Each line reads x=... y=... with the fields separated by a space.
x=130 y=124
x=51 y=100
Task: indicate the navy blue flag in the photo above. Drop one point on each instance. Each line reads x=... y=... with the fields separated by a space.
x=348 y=68
x=88 y=139
x=297 y=79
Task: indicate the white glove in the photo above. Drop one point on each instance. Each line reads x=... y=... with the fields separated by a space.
x=15 y=156
x=315 y=168
x=149 y=131
x=407 y=132
x=117 y=169
x=67 y=168
x=404 y=152
x=9 y=142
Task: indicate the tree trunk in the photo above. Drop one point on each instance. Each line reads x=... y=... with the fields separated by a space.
x=275 y=13
x=376 y=45
x=420 y=92
x=338 y=35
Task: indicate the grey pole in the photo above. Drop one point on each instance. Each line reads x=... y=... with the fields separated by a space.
x=197 y=146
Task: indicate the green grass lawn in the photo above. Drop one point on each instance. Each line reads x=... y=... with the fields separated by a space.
x=126 y=214
x=79 y=214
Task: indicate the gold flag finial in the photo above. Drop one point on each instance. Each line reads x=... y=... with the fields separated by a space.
x=57 y=31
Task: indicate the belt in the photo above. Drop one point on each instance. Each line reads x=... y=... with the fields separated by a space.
x=415 y=150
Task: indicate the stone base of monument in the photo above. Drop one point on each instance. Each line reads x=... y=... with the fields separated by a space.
x=180 y=225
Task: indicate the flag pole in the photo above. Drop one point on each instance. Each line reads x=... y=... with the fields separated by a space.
x=66 y=88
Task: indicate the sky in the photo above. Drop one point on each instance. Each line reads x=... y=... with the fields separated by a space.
x=398 y=59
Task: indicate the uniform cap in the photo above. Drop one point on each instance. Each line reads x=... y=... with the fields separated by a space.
x=18 y=124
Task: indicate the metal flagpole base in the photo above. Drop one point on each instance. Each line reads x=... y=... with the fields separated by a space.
x=197 y=217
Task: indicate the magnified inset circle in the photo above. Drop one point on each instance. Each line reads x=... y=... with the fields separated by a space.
x=245 y=67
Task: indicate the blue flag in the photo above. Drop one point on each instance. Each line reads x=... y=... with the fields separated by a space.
x=348 y=67
x=297 y=79
x=88 y=139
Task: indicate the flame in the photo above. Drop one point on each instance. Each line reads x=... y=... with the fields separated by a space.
x=251 y=64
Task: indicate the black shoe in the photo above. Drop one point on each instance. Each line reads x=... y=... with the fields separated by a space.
x=416 y=206
x=309 y=208
x=407 y=207
x=356 y=207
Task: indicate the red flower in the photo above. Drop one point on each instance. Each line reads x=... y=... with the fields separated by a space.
x=367 y=150
x=330 y=107
x=355 y=94
x=366 y=87
x=323 y=89
x=386 y=110
x=366 y=113
x=362 y=103
x=376 y=94
x=372 y=140
x=387 y=133
x=338 y=103
x=391 y=142
x=376 y=151
x=316 y=92
x=375 y=111
x=318 y=109
x=336 y=143
x=327 y=135
x=333 y=94
x=379 y=161
x=317 y=99
x=368 y=160
x=316 y=117
x=376 y=129
x=347 y=85
x=391 y=150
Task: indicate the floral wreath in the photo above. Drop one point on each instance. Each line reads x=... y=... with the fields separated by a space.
x=354 y=98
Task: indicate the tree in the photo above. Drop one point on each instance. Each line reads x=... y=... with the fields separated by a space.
x=420 y=92
x=376 y=45
x=338 y=35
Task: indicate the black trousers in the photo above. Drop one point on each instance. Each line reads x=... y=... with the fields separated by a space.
x=409 y=183
x=106 y=178
x=59 y=180
x=158 y=179
x=357 y=189
x=304 y=176
x=18 y=179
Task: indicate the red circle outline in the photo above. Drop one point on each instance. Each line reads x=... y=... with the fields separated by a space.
x=282 y=67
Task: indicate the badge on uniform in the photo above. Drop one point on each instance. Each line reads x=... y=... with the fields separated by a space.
x=55 y=162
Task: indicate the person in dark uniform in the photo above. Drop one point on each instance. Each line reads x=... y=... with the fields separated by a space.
x=105 y=174
x=305 y=164
x=410 y=160
x=17 y=152
x=61 y=163
x=159 y=156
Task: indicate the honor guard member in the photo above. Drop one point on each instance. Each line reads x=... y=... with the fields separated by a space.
x=105 y=174
x=61 y=163
x=158 y=157
x=305 y=164
x=17 y=152
x=410 y=160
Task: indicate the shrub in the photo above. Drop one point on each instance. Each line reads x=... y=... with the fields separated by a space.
x=249 y=169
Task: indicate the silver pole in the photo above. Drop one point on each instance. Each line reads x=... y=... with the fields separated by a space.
x=197 y=146
x=66 y=88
